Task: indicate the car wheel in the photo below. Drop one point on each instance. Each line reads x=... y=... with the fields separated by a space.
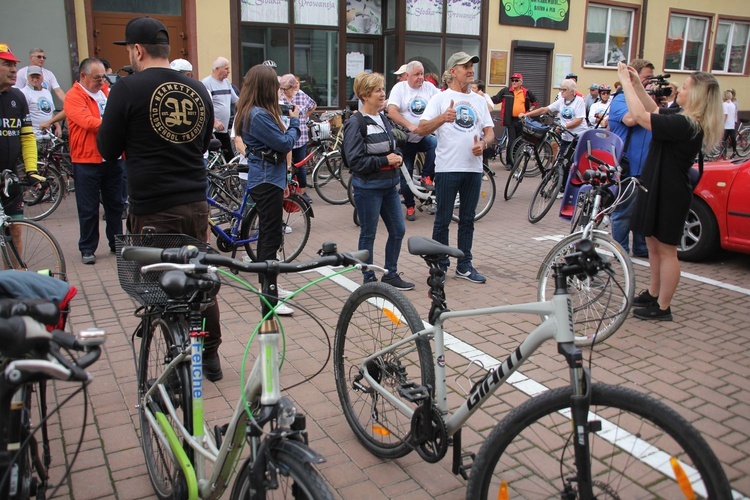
x=700 y=236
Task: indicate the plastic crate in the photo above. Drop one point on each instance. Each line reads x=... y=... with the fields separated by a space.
x=145 y=287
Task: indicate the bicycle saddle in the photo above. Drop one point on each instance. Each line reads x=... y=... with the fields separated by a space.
x=422 y=246
x=214 y=145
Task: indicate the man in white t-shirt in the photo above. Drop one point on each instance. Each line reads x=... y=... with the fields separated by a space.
x=37 y=58
x=406 y=103
x=463 y=126
x=41 y=106
x=572 y=110
x=222 y=96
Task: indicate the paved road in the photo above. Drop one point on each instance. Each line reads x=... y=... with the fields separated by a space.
x=697 y=364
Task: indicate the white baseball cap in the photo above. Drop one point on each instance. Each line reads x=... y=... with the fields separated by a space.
x=181 y=65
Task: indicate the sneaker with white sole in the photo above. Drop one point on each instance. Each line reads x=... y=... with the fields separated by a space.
x=394 y=279
x=284 y=310
x=472 y=275
x=282 y=293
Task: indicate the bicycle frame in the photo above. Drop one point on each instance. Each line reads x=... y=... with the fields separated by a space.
x=562 y=331
x=231 y=236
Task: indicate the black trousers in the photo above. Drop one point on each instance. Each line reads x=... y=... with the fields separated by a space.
x=226 y=145
x=514 y=131
x=269 y=201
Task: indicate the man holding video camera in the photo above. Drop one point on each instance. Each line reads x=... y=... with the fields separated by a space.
x=637 y=140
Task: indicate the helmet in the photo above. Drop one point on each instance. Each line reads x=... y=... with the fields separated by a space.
x=605 y=88
x=181 y=65
x=269 y=62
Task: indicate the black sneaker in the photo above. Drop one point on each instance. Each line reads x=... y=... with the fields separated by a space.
x=644 y=299
x=653 y=312
x=394 y=279
x=212 y=367
x=370 y=279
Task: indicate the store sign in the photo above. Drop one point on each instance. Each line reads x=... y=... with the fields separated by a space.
x=464 y=16
x=265 y=11
x=550 y=14
x=424 y=15
x=364 y=17
x=317 y=12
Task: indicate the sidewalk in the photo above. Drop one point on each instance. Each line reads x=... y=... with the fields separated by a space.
x=696 y=364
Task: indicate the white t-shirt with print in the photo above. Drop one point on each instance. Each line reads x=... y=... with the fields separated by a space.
x=569 y=111
x=41 y=107
x=411 y=103
x=455 y=140
x=100 y=98
x=596 y=108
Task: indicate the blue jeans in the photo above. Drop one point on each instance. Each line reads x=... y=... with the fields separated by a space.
x=93 y=180
x=621 y=228
x=467 y=185
x=383 y=203
x=427 y=146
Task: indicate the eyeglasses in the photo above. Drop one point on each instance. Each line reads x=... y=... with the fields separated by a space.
x=97 y=78
x=515 y=79
x=604 y=91
x=563 y=89
x=40 y=56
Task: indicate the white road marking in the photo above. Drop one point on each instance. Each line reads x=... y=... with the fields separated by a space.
x=683 y=274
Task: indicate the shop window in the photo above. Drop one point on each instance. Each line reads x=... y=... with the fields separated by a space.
x=424 y=15
x=730 y=51
x=686 y=42
x=425 y=49
x=162 y=7
x=260 y=44
x=609 y=32
x=316 y=63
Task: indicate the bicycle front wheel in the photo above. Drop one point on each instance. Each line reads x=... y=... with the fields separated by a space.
x=41 y=199
x=600 y=302
x=516 y=174
x=32 y=248
x=330 y=179
x=295 y=230
x=296 y=479
x=374 y=317
x=487 y=194
x=530 y=453
x=159 y=346
x=545 y=195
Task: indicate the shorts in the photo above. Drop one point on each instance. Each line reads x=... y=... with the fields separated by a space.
x=13 y=204
x=190 y=219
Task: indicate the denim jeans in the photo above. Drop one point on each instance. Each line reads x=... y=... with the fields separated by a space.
x=427 y=146
x=92 y=181
x=621 y=228
x=467 y=185
x=385 y=204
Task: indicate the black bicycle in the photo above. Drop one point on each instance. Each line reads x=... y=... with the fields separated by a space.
x=552 y=181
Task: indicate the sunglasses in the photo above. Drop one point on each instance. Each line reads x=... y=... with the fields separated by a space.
x=515 y=79
x=604 y=91
x=40 y=57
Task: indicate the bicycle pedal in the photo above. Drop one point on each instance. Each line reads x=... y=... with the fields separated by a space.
x=412 y=392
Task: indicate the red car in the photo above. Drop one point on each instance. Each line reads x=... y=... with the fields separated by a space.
x=720 y=212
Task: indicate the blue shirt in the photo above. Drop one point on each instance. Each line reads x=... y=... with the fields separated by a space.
x=261 y=133
x=640 y=139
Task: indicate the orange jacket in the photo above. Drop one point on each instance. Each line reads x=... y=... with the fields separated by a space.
x=82 y=113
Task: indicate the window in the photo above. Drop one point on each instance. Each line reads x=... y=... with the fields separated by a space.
x=730 y=52
x=259 y=44
x=609 y=31
x=316 y=63
x=686 y=42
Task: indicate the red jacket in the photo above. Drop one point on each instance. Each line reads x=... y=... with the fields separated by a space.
x=82 y=113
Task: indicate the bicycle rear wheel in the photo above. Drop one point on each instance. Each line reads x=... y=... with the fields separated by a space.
x=296 y=479
x=159 y=346
x=37 y=250
x=529 y=454
x=516 y=174
x=330 y=179
x=487 y=194
x=375 y=316
x=597 y=300
x=296 y=224
x=545 y=195
x=743 y=141
x=40 y=200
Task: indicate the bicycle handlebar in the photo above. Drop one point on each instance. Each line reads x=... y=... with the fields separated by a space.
x=586 y=260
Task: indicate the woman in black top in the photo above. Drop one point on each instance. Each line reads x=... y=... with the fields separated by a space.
x=659 y=213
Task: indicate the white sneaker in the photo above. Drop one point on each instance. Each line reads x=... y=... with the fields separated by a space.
x=283 y=293
x=284 y=310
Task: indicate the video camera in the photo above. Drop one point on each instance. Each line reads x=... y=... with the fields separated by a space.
x=660 y=85
x=286 y=108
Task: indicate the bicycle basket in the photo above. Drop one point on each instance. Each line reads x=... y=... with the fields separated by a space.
x=320 y=131
x=534 y=132
x=145 y=288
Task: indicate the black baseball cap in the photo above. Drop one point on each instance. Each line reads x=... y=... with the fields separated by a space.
x=145 y=31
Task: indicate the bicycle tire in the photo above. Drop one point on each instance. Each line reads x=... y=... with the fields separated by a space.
x=39 y=251
x=296 y=479
x=545 y=195
x=330 y=178
x=531 y=449
x=516 y=175
x=296 y=230
x=40 y=202
x=374 y=316
x=743 y=142
x=158 y=347
x=594 y=299
x=487 y=195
